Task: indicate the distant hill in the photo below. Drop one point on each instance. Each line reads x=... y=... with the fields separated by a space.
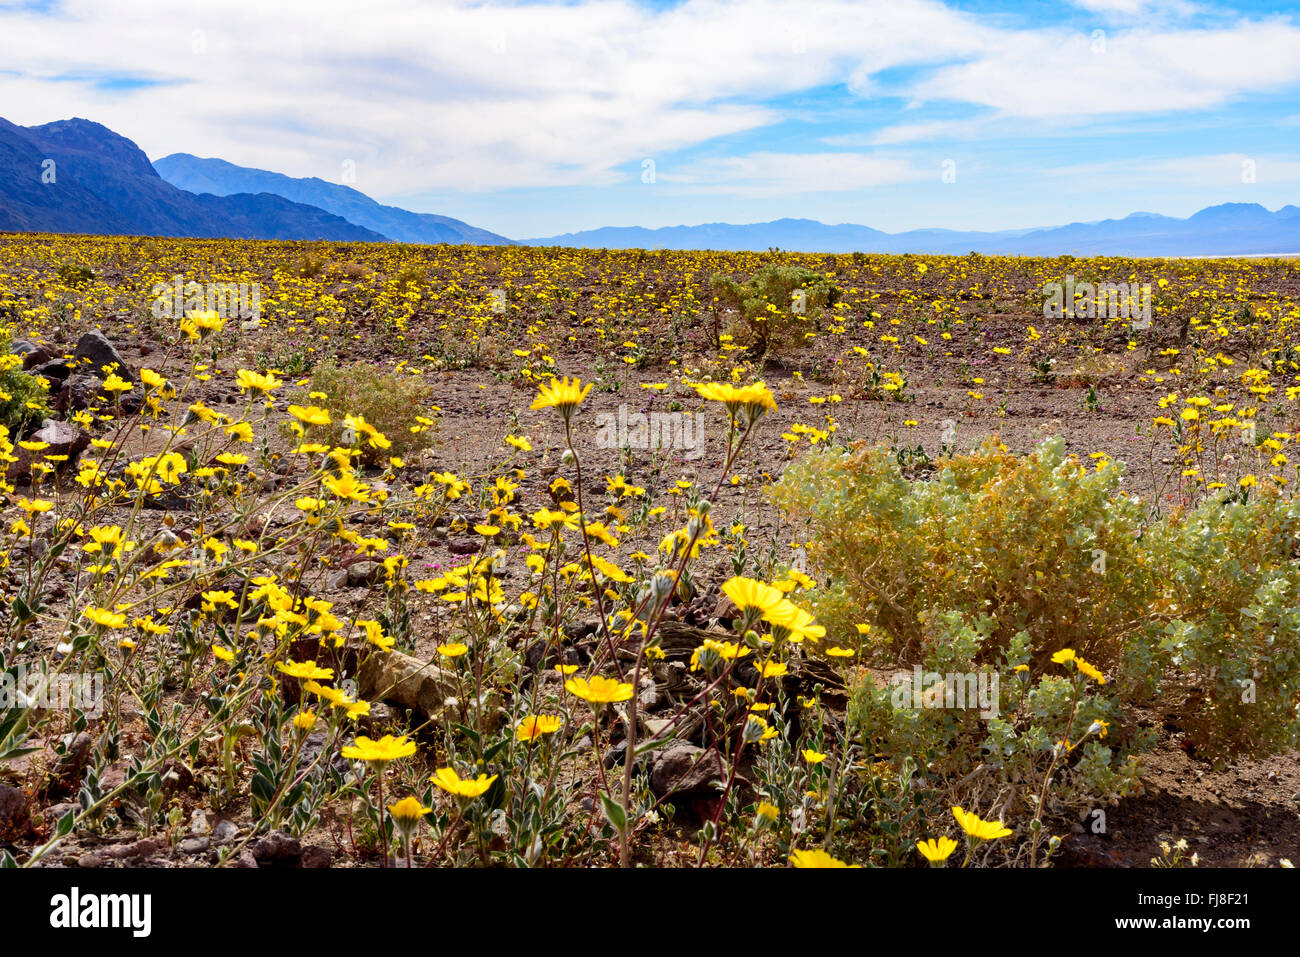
x=220 y=178
x=103 y=183
x=1232 y=229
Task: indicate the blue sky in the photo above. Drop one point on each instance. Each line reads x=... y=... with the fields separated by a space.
x=533 y=119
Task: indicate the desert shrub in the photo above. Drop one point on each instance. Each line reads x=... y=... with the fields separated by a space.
x=1193 y=612
x=396 y=406
x=1227 y=617
x=411 y=279
x=309 y=267
x=71 y=274
x=1039 y=542
x=1001 y=746
x=22 y=396
x=778 y=304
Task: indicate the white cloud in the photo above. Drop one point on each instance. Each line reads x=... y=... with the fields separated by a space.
x=470 y=95
x=1053 y=74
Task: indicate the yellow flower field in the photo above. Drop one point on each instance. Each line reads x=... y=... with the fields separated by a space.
x=461 y=556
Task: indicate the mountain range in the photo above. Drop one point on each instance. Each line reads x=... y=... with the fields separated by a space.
x=76 y=176
x=222 y=179
x=1232 y=229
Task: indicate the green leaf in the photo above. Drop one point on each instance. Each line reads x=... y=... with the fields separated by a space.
x=262 y=787
x=614 y=813
x=65 y=823
x=644 y=747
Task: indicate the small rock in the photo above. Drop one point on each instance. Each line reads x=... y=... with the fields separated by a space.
x=545 y=654
x=277 y=849
x=62 y=438
x=36 y=357
x=365 y=573
x=14 y=819
x=81 y=391
x=194 y=845
x=420 y=685
x=145 y=847
x=224 y=832
x=55 y=811
x=176 y=777
x=464 y=546
x=94 y=349
x=199 y=823
x=56 y=370
x=682 y=768
x=316 y=857
x=90 y=859
x=614 y=755
x=379 y=716
x=244 y=859
x=71 y=763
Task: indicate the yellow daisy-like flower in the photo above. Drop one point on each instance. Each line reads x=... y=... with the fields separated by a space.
x=1089 y=670
x=793 y=622
x=452 y=783
x=536 y=725
x=408 y=810
x=599 y=689
x=308 y=670
x=813 y=757
x=753 y=401
x=105 y=618
x=255 y=383
x=381 y=752
x=562 y=395
x=978 y=828
x=115 y=383
x=375 y=635
x=748 y=594
x=199 y=325
x=937 y=851
x=816 y=857
x=310 y=414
